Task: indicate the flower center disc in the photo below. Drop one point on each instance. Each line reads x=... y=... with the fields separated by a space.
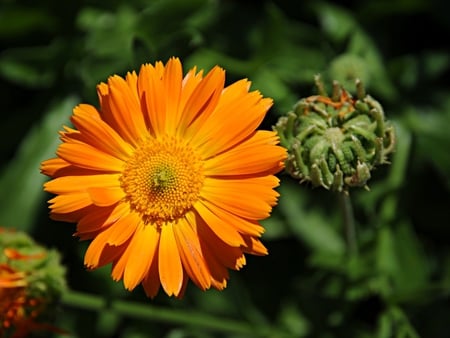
x=162 y=180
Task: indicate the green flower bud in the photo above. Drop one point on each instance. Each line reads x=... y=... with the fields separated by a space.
x=335 y=141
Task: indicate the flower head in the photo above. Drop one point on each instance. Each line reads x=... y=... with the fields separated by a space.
x=31 y=281
x=169 y=178
x=336 y=141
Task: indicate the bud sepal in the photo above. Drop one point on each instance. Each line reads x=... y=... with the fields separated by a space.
x=336 y=141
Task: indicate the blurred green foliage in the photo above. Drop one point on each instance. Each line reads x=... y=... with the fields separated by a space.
x=52 y=54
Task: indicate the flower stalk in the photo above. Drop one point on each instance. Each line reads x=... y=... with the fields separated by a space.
x=149 y=312
x=349 y=223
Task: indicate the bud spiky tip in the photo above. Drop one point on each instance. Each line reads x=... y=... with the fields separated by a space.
x=335 y=141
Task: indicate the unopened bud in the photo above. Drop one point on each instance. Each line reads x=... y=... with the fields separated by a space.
x=336 y=141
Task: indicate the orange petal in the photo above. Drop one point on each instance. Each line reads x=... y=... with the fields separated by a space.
x=254 y=246
x=67 y=203
x=247 y=116
x=217 y=253
x=88 y=157
x=120 y=231
x=98 y=133
x=191 y=254
x=152 y=92
x=227 y=194
x=73 y=216
x=101 y=217
x=111 y=253
x=52 y=166
x=256 y=154
x=103 y=94
x=240 y=114
x=151 y=282
x=183 y=286
x=119 y=265
x=126 y=110
x=57 y=167
x=190 y=82
x=173 y=75
x=71 y=184
x=142 y=249
x=202 y=103
x=242 y=225
x=94 y=251
x=219 y=226
x=12 y=253
x=104 y=197
x=169 y=262
x=219 y=284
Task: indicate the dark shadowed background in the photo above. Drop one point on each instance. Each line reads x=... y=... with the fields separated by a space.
x=52 y=55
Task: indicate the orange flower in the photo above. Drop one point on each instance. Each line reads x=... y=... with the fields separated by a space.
x=19 y=311
x=169 y=178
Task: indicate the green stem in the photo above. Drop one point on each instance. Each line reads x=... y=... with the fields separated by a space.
x=157 y=313
x=349 y=222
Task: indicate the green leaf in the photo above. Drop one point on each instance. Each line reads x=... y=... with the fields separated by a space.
x=387 y=262
x=294 y=321
x=22 y=73
x=21 y=182
x=384 y=326
x=31 y=66
x=414 y=273
x=275 y=227
x=433 y=138
x=110 y=34
x=336 y=21
x=361 y=44
x=310 y=225
x=401 y=259
x=21 y=20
